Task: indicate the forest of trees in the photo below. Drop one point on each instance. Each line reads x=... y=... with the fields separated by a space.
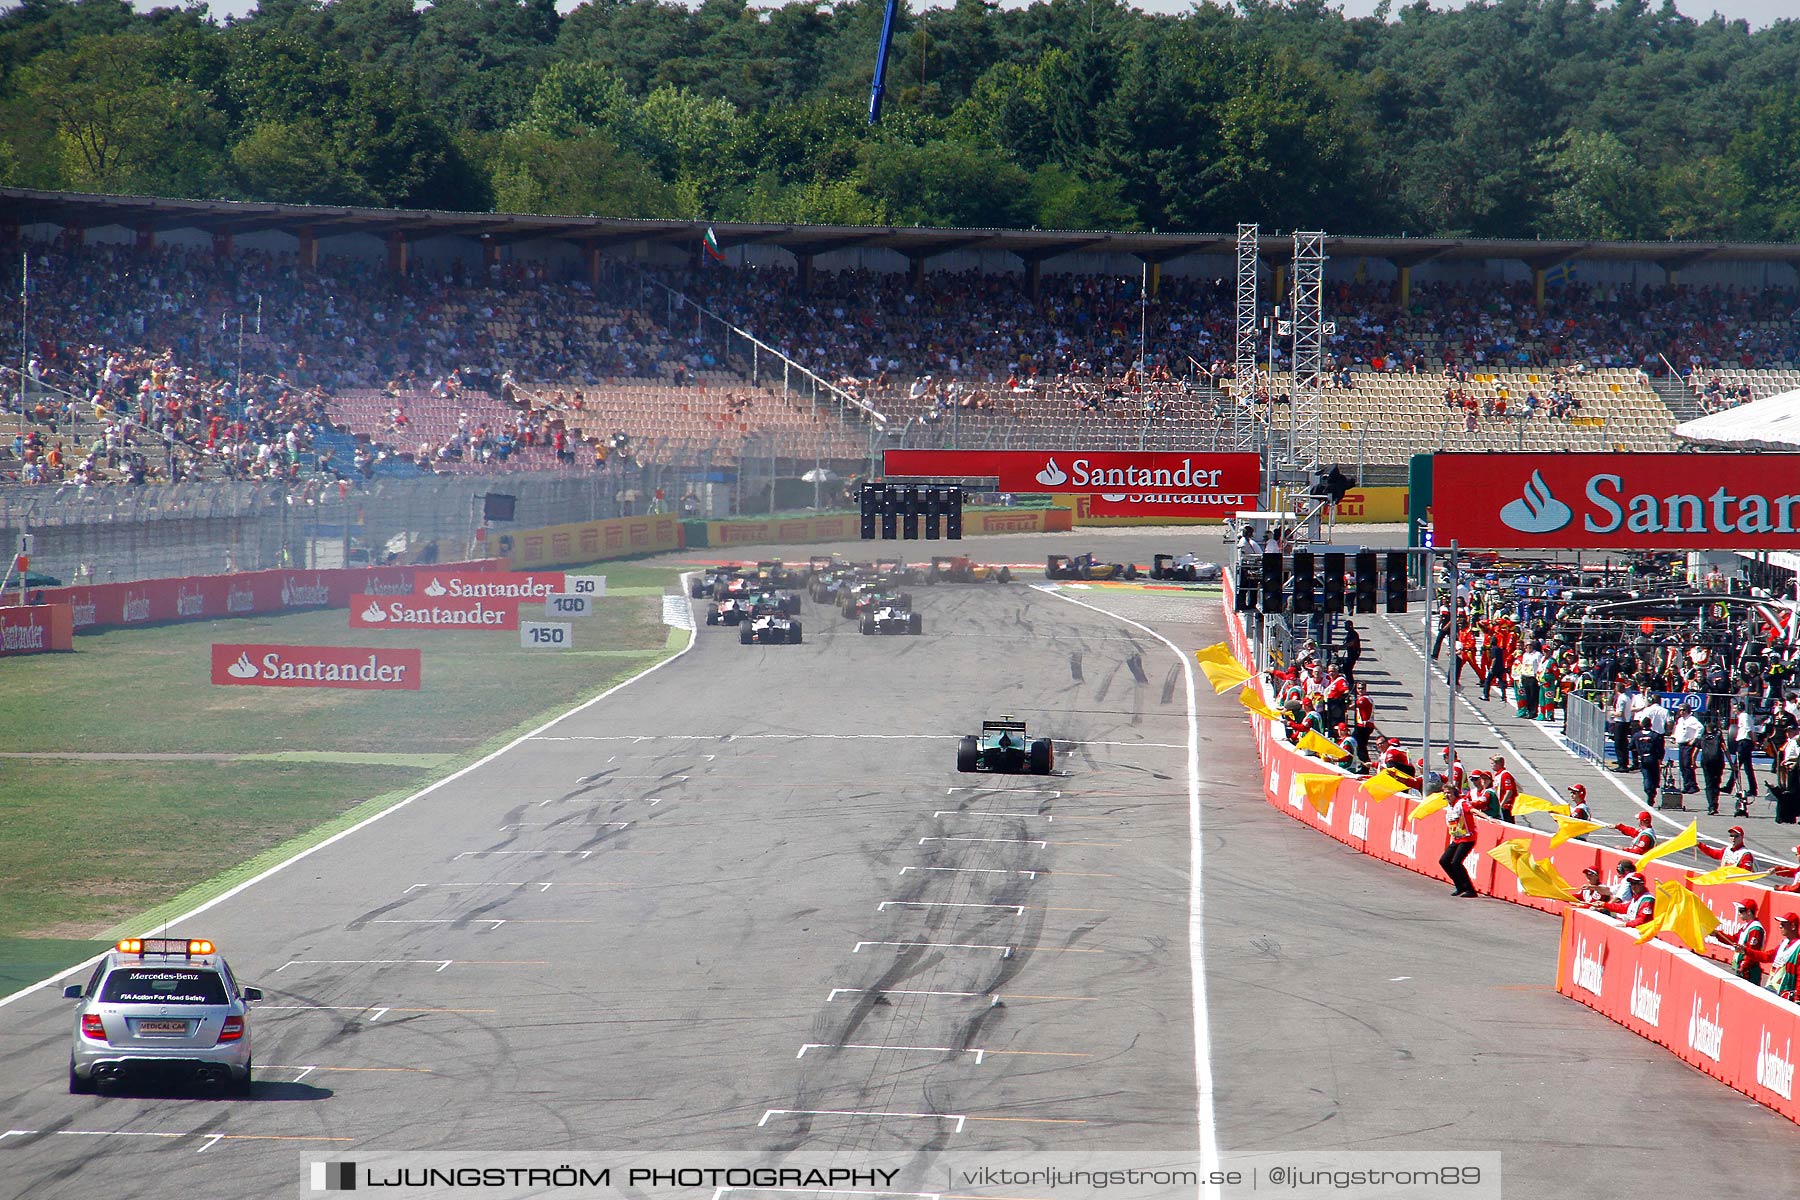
x=1512 y=118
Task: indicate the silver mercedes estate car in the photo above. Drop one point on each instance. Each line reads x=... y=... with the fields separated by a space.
x=161 y=1003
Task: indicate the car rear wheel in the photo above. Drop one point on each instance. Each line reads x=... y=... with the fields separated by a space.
x=79 y=1086
x=1131 y=571
x=966 y=754
x=1005 y=575
x=241 y=1087
x=868 y=625
x=794 y=632
x=915 y=623
x=1043 y=756
x=745 y=634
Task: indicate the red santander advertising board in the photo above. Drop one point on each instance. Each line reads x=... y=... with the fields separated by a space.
x=1181 y=483
x=509 y=587
x=363 y=668
x=1617 y=501
x=427 y=612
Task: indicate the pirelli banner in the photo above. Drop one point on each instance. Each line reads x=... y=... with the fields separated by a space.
x=586 y=541
x=1617 y=501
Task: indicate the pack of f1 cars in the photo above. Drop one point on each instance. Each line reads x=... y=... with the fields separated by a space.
x=959 y=569
x=1004 y=747
x=892 y=618
x=1083 y=566
x=774 y=629
x=1186 y=568
x=866 y=596
x=734 y=610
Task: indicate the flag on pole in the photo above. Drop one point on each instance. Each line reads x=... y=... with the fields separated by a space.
x=1531 y=804
x=1725 y=875
x=1319 y=790
x=1680 y=912
x=1224 y=676
x=1428 y=805
x=711 y=242
x=1252 y=699
x=1384 y=785
x=1324 y=747
x=1218 y=652
x=1570 y=827
x=1685 y=840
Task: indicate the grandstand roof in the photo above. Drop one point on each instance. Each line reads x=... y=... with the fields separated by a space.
x=1772 y=423
x=27 y=206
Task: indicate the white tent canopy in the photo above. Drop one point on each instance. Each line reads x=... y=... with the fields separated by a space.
x=1772 y=423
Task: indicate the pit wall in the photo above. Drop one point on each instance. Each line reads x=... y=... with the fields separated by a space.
x=1741 y=1035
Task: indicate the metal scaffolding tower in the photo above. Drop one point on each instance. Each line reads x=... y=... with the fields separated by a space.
x=1244 y=427
x=1308 y=360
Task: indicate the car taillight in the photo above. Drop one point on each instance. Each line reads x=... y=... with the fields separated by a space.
x=232 y=1030
x=92 y=1026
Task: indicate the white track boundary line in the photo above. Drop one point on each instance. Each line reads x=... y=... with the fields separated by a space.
x=1203 y=1077
x=693 y=638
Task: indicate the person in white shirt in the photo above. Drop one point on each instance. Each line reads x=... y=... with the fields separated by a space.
x=1687 y=746
x=1743 y=750
x=1653 y=712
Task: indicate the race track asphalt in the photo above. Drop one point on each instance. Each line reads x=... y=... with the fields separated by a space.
x=749 y=892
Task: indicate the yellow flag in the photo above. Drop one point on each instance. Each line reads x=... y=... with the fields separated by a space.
x=1428 y=805
x=1224 y=676
x=1384 y=785
x=1219 y=653
x=1531 y=804
x=1322 y=746
x=1685 y=840
x=1319 y=790
x=1560 y=889
x=1512 y=854
x=1570 y=827
x=1725 y=875
x=1252 y=699
x=1692 y=921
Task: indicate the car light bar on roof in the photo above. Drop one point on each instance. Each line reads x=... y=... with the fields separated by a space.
x=184 y=947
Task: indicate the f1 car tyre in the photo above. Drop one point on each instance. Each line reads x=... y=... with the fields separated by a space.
x=1005 y=575
x=868 y=624
x=745 y=633
x=1131 y=571
x=1042 y=756
x=712 y=618
x=696 y=590
x=794 y=632
x=966 y=754
x=915 y=623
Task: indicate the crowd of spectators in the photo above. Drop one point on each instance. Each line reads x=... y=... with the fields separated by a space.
x=179 y=365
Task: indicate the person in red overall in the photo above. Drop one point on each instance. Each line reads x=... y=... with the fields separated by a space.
x=1745 y=943
x=1791 y=874
x=1638 y=905
x=1735 y=855
x=1578 y=805
x=1459 y=819
x=1783 y=975
x=1643 y=837
x=1505 y=786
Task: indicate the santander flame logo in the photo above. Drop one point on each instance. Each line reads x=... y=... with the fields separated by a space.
x=1537 y=511
x=1052 y=475
x=373 y=612
x=243 y=668
x=434 y=588
x=1114 y=497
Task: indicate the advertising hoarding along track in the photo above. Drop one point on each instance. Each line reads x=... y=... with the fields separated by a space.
x=1191 y=481
x=363 y=668
x=1617 y=501
x=421 y=612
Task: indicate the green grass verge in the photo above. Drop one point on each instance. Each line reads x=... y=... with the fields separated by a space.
x=85 y=845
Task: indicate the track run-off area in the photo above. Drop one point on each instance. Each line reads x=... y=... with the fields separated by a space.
x=745 y=903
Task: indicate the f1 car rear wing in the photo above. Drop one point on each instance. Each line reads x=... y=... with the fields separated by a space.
x=1003 y=726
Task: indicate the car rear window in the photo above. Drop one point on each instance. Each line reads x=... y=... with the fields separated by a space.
x=163 y=985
